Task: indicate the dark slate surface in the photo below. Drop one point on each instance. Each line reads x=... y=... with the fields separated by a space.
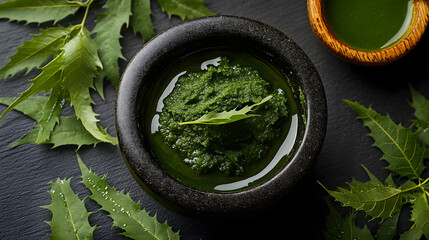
x=25 y=171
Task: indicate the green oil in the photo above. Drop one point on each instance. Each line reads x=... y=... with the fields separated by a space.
x=369 y=25
x=172 y=161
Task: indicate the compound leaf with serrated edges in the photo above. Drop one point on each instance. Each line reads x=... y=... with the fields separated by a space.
x=40 y=11
x=126 y=214
x=35 y=52
x=45 y=81
x=373 y=197
x=400 y=146
x=79 y=69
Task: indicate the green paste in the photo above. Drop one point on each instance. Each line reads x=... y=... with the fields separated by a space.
x=227 y=148
x=369 y=25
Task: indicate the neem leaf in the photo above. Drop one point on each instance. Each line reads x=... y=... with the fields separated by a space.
x=400 y=145
x=108 y=29
x=68 y=131
x=420 y=213
x=140 y=20
x=126 y=214
x=70 y=73
x=51 y=112
x=411 y=234
x=376 y=200
x=30 y=107
x=421 y=107
x=388 y=228
x=185 y=9
x=35 y=52
x=38 y=11
x=69 y=215
x=339 y=229
x=80 y=66
x=215 y=118
x=46 y=80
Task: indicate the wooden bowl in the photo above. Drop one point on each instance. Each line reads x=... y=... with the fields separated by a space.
x=384 y=56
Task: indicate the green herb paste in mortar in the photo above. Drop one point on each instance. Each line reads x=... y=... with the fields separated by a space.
x=230 y=147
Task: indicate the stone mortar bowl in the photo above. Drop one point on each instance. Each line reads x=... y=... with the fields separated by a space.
x=210 y=32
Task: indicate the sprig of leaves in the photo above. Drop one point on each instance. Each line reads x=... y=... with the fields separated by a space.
x=405 y=150
x=72 y=63
x=70 y=217
x=217 y=118
x=68 y=130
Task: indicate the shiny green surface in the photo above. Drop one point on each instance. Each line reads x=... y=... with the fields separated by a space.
x=368 y=25
x=172 y=160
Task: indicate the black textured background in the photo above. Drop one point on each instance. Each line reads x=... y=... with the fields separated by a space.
x=25 y=171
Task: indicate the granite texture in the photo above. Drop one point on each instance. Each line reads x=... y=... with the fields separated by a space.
x=25 y=171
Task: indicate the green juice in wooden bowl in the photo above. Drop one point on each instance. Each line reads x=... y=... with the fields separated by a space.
x=369 y=25
x=369 y=32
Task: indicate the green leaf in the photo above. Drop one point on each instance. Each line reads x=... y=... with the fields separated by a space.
x=73 y=70
x=420 y=213
x=388 y=228
x=69 y=131
x=108 y=29
x=81 y=64
x=339 y=229
x=69 y=215
x=31 y=107
x=421 y=107
x=374 y=198
x=45 y=81
x=214 y=118
x=400 y=146
x=50 y=115
x=35 y=52
x=38 y=11
x=411 y=234
x=140 y=20
x=126 y=214
x=185 y=9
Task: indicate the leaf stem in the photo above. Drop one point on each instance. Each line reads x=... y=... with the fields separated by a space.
x=86 y=5
x=420 y=185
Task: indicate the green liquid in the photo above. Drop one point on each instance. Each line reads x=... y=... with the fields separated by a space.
x=169 y=159
x=369 y=25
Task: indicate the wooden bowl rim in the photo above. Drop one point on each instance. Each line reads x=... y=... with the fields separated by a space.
x=381 y=57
